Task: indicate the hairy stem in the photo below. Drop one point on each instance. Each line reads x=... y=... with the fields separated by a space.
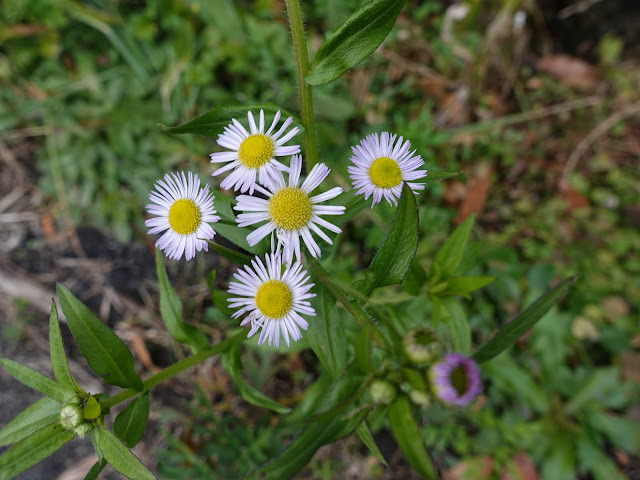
x=304 y=89
x=174 y=370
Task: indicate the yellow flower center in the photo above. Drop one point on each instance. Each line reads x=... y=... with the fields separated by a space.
x=184 y=216
x=274 y=299
x=256 y=150
x=385 y=172
x=290 y=208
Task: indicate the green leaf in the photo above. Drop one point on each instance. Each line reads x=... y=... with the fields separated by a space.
x=96 y=470
x=238 y=236
x=235 y=257
x=119 y=456
x=220 y=300
x=450 y=254
x=56 y=351
x=394 y=257
x=108 y=356
x=233 y=364
x=559 y=460
x=354 y=40
x=300 y=451
x=517 y=327
x=365 y=435
x=33 y=449
x=363 y=348
x=326 y=332
x=131 y=423
x=38 y=382
x=39 y=414
x=171 y=311
x=213 y=122
x=596 y=388
x=456 y=319
x=405 y=431
x=623 y=432
x=416 y=278
x=92 y=409
x=592 y=458
x=466 y=285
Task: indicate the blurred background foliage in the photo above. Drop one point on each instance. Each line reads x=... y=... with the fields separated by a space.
x=537 y=108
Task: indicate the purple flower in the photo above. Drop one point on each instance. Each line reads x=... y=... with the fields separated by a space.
x=456 y=379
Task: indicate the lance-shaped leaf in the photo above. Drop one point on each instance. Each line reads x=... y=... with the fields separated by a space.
x=37 y=415
x=365 y=435
x=56 y=351
x=118 y=455
x=326 y=332
x=213 y=122
x=33 y=449
x=130 y=424
x=450 y=254
x=406 y=432
x=38 y=382
x=394 y=257
x=235 y=257
x=354 y=40
x=171 y=311
x=238 y=236
x=466 y=285
x=301 y=450
x=96 y=470
x=233 y=364
x=456 y=319
x=517 y=327
x=434 y=175
x=108 y=356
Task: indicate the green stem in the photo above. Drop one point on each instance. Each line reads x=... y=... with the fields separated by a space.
x=304 y=89
x=174 y=370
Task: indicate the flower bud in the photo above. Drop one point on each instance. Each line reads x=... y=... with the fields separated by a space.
x=70 y=416
x=423 y=399
x=84 y=428
x=382 y=392
x=421 y=345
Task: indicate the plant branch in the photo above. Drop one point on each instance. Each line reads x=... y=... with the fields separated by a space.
x=304 y=89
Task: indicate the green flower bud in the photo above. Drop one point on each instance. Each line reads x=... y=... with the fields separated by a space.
x=420 y=398
x=84 y=428
x=421 y=345
x=71 y=416
x=382 y=392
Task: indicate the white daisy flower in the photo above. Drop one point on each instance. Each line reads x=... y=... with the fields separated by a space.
x=273 y=298
x=381 y=168
x=253 y=153
x=290 y=212
x=184 y=210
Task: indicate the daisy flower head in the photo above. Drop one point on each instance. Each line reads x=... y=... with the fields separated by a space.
x=380 y=168
x=456 y=379
x=274 y=298
x=253 y=153
x=290 y=211
x=183 y=211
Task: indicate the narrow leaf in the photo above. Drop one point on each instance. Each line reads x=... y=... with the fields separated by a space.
x=238 y=236
x=326 y=332
x=597 y=388
x=56 y=351
x=235 y=257
x=354 y=40
x=450 y=254
x=96 y=470
x=38 y=382
x=394 y=257
x=119 y=456
x=300 y=451
x=39 y=414
x=108 y=356
x=213 y=122
x=440 y=175
x=405 y=431
x=456 y=319
x=517 y=327
x=233 y=364
x=171 y=312
x=33 y=449
x=466 y=285
x=365 y=435
x=131 y=423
